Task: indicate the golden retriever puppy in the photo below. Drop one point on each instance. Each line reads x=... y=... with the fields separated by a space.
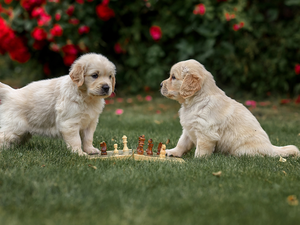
x=212 y=121
x=68 y=106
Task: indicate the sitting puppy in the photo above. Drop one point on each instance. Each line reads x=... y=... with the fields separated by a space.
x=212 y=121
x=68 y=106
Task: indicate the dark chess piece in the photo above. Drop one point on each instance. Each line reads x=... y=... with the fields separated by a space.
x=140 y=149
x=150 y=146
x=103 y=148
x=142 y=139
x=159 y=148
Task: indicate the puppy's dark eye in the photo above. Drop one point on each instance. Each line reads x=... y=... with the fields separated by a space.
x=110 y=77
x=173 y=77
x=95 y=76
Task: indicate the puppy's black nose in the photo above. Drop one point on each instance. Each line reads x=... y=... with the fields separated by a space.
x=161 y=84
x=105 y=88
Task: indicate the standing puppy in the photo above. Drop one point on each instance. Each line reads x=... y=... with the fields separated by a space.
x=68 y=106
x=212 y=121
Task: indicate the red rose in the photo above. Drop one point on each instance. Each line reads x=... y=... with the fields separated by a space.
x=7 y=1
x=21 y=56
x=37 y=12
x=69 y=59
x=297 y=69
x=56 y=30
x=236 y=27
x=70 y=10
x=104 y=12
x=118 y=48
x=70 y=49
x=199 y=9
x=19 y=53
x=44 y=19
x=80 y=1
x=57 y=16
x=39 y=34
x=83 y=30
x=29 y=5
x=105 y=2
x=73 y=21
x=155 y=32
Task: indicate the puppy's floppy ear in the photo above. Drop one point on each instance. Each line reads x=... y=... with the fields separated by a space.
x=77 y=73
x=191 y=84
x=113 y=83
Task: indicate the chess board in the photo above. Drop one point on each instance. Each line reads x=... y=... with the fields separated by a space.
x=156 y=158
x=111 y=155
x=130 y=155
x=139 y=155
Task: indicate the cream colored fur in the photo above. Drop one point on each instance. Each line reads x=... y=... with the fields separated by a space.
x=212 y=121
x=67 y=107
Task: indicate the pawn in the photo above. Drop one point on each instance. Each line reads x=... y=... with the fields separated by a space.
x=159 y=148
x=163 y=151
x=116 y=152
x=150 y=146
x=103 y=148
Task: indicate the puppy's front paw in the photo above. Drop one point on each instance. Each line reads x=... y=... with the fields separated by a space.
x=92 y=151
x=82 y=153
x=79 y=152
x=173 y=152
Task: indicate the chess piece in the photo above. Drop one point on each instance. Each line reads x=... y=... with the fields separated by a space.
x=158 y=148
x=103 y=148
x=150 y=146
x=125 y=148
x=142 y=139
x=140 y=149
x=125 y=143
x=163 y=151
x=116 y=152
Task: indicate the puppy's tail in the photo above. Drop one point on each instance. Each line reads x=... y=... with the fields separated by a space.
x=286 y=150
x=4 y=89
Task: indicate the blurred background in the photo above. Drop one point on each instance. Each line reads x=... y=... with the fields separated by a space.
x=248 y=45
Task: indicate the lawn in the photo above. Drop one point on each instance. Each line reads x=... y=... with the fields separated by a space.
x=43 y=183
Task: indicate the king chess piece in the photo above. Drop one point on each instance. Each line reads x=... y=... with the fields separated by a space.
x=103 y=148
x=150 y=146
x=159 y=148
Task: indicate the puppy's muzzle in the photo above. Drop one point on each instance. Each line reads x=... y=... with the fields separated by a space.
x=105 y=89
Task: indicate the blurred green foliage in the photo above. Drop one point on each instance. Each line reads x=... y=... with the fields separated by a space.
x=250 y=45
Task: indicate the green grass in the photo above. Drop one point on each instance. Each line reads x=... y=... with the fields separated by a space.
x=43 y=183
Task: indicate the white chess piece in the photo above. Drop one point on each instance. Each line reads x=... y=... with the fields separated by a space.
x=116 y=152
x=163 y=151
x=125 y=148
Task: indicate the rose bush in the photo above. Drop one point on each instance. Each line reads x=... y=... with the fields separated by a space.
x=251 y=45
